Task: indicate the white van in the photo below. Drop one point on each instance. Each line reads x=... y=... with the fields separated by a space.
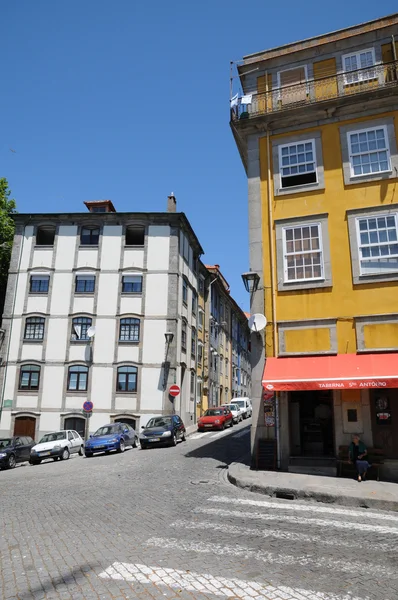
x=245 y=404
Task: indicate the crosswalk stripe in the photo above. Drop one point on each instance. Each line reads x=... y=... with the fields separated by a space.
x=308 y=561
x=198 y=436
x=241 y=433
x=212 y=585
x=279 y=534
x=309 y=507
x=220 y=434
x=297 y=519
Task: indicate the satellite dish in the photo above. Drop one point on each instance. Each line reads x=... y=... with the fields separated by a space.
x=257 y=322
x=91 y=331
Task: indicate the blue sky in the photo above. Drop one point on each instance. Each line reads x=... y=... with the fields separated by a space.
x=129 y=100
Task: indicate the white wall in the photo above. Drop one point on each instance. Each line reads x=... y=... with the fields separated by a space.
x=57 y=336
x=131 y=305
x=53 y=385
x=75 y=402
x=108 y=291
x=104 y=340
x=87 y=258
x=154 y=342
x=151 y=395
x=158 y=248
x=31 y=352
x=133 y=258
x=156 y=294
x=66 y=246
x=16 y=334
x=36 y=304
x=81 y=305
x=49 y=421
x=27 y=247
x=11 y=382
x=101 y=386
x=127 y=353
x=42 y=258
x=27 y=402
x=22 y=282
x=61 y=293
x=111 y=246
x=127 y=403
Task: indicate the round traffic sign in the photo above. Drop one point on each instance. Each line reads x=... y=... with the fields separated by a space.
x=174 y=390
x=88 y=406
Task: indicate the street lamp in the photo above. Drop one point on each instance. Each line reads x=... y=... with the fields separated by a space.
x=251 y=281
x=169 y=336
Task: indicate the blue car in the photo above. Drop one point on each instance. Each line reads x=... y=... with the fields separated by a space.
x=115 y=436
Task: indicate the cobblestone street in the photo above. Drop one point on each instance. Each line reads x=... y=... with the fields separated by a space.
x=165 y=523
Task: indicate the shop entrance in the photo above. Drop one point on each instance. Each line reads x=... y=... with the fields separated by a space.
x=384 y=405
x=311 y=424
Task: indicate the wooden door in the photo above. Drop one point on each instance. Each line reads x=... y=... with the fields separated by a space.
x=25 y=426
x=293 y=85
x=384 y=407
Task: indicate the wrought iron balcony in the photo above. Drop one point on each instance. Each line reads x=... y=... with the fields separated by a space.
x=341 y=85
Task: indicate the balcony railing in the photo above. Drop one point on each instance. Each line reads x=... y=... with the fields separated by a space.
x=341 y=85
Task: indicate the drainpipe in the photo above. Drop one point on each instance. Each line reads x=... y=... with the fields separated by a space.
x=273 y=289
x=12 y=320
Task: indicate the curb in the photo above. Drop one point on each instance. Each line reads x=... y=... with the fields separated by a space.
x=288 y=493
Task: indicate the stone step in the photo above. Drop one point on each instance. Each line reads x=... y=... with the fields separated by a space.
x=313 y=470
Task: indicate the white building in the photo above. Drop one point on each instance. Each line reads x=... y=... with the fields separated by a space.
x=132 y=276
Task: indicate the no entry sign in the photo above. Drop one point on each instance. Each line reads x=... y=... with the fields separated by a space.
x=174 y=390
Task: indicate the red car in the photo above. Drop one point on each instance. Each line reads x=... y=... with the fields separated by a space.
x=216 y=418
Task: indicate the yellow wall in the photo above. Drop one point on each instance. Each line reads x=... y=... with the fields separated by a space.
x=381 y=335
x=343 y=300
x=307 y=340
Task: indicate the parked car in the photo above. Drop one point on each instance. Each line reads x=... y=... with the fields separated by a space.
x=236 y=410
x=14 y=450
x=245 y=404
x=163 y=430
x=115 y=436
x=216 y=418
x=57 y=445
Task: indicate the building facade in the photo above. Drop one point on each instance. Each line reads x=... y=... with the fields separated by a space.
x=90 y=298
x=317 y=133
x=229 y=372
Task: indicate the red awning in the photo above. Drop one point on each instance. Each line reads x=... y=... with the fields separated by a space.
x=344 y=371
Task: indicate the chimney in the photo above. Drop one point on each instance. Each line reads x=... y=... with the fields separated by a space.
x=171 y=203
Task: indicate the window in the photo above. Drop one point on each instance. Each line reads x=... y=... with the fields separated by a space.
x=302 y=252
x=352 y=415
x=135 y=235
x=221 y=365
x=201 y=285
x=39 y=284
x=355 y=66
x=132 y=284
x=297 y=163
x=200 y=353
x=89 y=236
x=194 y=302
x=98 y=209
x=200 y=319
x=77 y=378
x=185 y=292
x=192 y=383
x=29 y=377
x=183 y=336
x=80 y=326
x=34 y=328
x=185 y=247
x=193 y=343
x=45 y=236
x=226 y=368
x=126 y=379
x=129 y=330
x=70 y=436
x=378 y=244
x=369 y=151
x=84 y=284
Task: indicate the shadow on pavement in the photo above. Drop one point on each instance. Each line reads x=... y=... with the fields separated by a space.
x=73 y=577
x=228 y=449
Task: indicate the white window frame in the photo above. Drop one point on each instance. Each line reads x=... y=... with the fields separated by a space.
x=357 y=54
x=278 y=78
x=312 y=142
x=367 y=129
x=302 y=225
x=359 y=245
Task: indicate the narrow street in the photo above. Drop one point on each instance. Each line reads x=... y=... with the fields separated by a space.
x=166 y=523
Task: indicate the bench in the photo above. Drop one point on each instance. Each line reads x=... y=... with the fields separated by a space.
x=375 y=457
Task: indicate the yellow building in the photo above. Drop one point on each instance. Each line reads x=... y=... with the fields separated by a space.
x=317 y=132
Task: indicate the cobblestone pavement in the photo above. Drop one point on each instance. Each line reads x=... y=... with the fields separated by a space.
x=165 y=523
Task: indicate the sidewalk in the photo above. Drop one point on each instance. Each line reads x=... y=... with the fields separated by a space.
x=331 y=490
